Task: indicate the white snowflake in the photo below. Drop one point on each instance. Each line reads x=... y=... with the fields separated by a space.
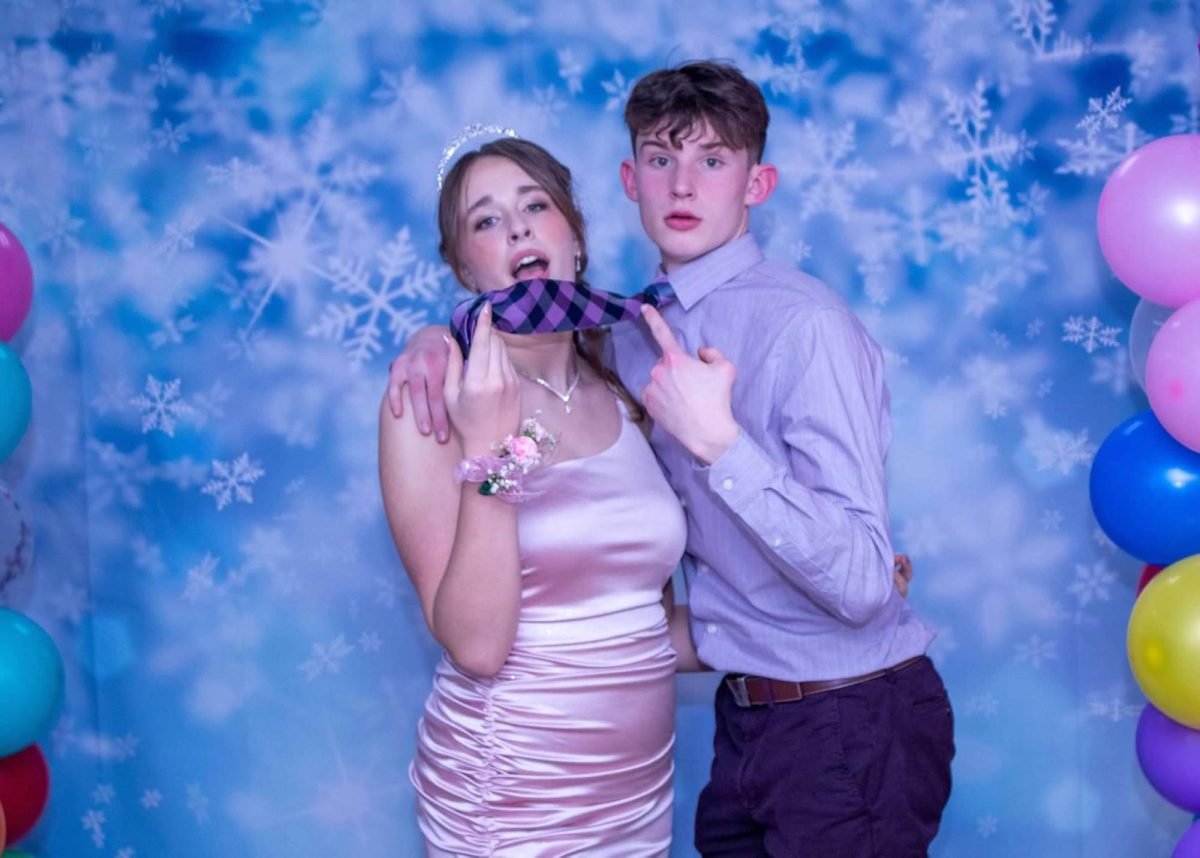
x=986 y=705
x=326 y=658
x=1090 y=334
x=233 y=481
x=200 y=578
x=979 y=157
x=1037 y=651
x=403 y=285
x=912 y=124
x=151 y=799
x=1105 y=140
x=548 y=104
x=617 y=89
x=827 y=177
x=571 y=70
x=94 y=821
x=370 y=642
x=1056 y=450
x=1091 y=582
x=197 y=802
x=924 y=537
x=1114 y=706
x=1113 y=370
x=1035 y=20
x=173 y=331
x=1052 y=519
x=993 y=383
x=987 y=825
x=161 y=406
x=104 y=794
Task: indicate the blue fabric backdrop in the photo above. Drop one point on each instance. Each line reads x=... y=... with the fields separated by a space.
x=229 y=206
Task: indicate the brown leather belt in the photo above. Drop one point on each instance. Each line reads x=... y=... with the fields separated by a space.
x=761 y=691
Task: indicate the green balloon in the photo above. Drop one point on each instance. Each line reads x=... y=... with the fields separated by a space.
x=16 y=401
x=16 y=853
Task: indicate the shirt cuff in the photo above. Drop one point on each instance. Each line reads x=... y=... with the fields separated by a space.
x=741 y=472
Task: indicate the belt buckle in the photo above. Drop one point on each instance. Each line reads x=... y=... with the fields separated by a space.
x=737 y=686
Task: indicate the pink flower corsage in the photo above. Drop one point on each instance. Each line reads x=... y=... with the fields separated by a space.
x=503 y=475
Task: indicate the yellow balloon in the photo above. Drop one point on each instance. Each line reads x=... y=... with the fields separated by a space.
x=1164 y=641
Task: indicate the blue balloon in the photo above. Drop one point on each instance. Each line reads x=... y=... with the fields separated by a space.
x=16 y=401
x=1145 y=489
x=31 y=681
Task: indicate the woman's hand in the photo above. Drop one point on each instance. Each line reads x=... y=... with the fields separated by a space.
x=483 y=402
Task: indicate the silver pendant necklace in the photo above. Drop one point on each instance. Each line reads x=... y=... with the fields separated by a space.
x=565 y=398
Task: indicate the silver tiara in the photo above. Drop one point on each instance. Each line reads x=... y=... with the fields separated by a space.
x=475 y=130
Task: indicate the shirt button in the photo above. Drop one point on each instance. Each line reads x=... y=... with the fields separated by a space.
x=711 y=628
x=776 y=542
x=727 y=483
x=701 y=567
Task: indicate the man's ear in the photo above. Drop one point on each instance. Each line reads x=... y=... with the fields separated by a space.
x=627 y=179
x=763 y=179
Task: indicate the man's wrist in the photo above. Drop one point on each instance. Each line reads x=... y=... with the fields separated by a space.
x=709 y=449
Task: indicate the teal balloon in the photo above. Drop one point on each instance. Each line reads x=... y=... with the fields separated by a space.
x=31 y=681
x=16 y=401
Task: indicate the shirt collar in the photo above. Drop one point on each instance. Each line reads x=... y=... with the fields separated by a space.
x=714 y=269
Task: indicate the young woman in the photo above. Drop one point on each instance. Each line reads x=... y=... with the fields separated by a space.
x=550 y=726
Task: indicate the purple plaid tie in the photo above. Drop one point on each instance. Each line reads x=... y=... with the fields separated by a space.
x=546 y=306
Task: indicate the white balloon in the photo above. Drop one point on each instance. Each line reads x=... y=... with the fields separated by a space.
x=1148 y=317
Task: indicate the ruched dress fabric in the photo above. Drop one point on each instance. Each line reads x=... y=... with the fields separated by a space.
x=567 y=750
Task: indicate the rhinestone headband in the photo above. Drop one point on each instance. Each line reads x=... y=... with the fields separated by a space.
x=475 y=130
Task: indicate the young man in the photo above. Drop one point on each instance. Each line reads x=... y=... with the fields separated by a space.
x=834 y=733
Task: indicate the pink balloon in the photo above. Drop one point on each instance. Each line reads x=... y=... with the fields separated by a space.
x=1173 y=375
x=1149 y=220
x=16 y=284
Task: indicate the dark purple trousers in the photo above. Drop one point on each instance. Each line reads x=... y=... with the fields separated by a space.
x=858 y=772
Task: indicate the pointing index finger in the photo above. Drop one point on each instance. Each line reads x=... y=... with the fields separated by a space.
x=660 y=331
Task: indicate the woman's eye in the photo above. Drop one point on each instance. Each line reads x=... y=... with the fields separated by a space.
x=536 y=207
x=485 y=222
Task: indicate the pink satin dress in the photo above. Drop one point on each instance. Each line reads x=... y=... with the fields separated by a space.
x=567 y=751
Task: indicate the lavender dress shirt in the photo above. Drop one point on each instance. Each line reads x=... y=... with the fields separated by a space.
x=789 y=556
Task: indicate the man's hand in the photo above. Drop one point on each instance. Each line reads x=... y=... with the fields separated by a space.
x=422 y=366
x=902 y=573
x=690 y=398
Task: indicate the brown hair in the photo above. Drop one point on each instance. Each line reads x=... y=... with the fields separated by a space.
x=675 y=100
x=555 y=179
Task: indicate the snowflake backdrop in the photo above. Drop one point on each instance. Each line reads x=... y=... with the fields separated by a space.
x=229 y=203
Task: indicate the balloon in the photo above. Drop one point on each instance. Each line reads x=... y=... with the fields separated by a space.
x=1148 y=318
x=1188 y=845
x=1148 y=220
x=3 y=828
x=1163 y=643
x=1173 y=375
x=16 y=542
x=1145 y=491
x=16 y=401
x=24 y=790
x=16 y=284
x=31 y=681
x=1148 y=573
x=15 y=853
x=1169 y=754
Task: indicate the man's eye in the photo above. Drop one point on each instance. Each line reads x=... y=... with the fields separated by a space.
x=712 y=162
x=658 y=161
